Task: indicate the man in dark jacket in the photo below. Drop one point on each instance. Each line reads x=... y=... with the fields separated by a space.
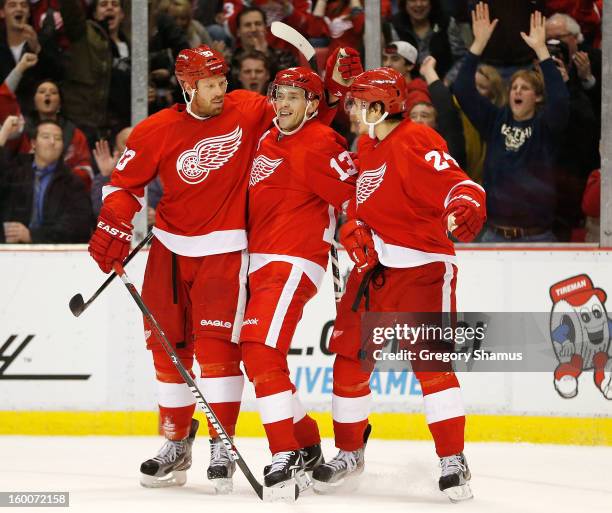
x=97 y=87
x=41 y=201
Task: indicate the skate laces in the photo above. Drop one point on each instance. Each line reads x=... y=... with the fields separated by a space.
x=279 y=461
x=344 y=459
x=170 y=451
x=218 y=452
x=452 y=465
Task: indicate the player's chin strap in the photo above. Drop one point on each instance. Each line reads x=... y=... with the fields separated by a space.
x=188 y=102
x=371 y=126
x=306 y=118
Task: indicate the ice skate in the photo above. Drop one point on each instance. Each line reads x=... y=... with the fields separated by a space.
x=313 y=457
x=221 y=468
x=287 y=470
x=342 y=471
x=455 y=476
x=169 y=467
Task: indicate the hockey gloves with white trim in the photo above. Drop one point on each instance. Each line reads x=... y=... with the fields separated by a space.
x=111 y=240
x=356 y=238
x=349 y=66
x=467 y=219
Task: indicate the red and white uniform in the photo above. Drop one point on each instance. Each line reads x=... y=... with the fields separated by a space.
x=202 y=166
x=297 y=183
x=195 y=281
x=405 y=183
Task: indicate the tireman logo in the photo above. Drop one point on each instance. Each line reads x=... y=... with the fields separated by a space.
x=368 y=182
x=262 y=168
x=215 y=323
x=580 y=330
x=210 y=154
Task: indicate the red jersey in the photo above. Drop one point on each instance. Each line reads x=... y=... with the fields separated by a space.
x=404 y=185
x=296 y=184
x=203 y=168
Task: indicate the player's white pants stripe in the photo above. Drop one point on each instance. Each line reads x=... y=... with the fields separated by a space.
x=222 y=390
x=350 y=409
x=298 y=408
x=282 y=306
x=443 y=405
x=447 y=287
x=276 y=407
x=242 y=296
x=174 y=395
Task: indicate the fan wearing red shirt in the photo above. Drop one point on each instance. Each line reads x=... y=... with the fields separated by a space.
x=195 y=279
x=301 y=176
x=410 y=194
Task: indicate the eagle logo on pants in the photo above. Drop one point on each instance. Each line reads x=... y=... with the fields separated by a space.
x=262 y=168
x=368 y=182
x=210 y=154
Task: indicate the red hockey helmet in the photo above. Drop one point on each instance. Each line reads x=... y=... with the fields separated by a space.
x=193 y=64
x=301 y=77
x=383 y=85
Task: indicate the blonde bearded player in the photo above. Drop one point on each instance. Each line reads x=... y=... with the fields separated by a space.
x=195 y=277
x=410 y=193
x=301 y=176
x=196 y=272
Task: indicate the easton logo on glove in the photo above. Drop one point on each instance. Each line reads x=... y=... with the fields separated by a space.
x=114 y=231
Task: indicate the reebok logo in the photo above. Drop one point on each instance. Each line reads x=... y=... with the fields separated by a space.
x=215 y=323
x=253 y=322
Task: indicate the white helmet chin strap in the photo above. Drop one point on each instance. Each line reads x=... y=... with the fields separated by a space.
x=372 y=125
x=299 y=127
x=189 y=101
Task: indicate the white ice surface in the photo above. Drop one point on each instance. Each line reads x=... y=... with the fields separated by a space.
x=101 y=474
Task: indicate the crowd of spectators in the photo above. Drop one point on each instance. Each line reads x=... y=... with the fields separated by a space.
x=520 y=113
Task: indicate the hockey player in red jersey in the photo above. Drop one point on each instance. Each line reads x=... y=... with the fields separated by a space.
x=196 y=272
x=301 y=175
x=410 y=194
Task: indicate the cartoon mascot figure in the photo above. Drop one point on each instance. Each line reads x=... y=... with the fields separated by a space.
x=580 y=331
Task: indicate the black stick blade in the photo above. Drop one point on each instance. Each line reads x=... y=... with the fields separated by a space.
x=77 y=305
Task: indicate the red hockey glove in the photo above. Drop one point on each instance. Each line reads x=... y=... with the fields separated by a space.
x=468 y=217
x=349 y=66
x=356 y=238
x=110 y=241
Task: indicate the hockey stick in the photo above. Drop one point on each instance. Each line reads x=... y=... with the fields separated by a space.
x=295 y=39
x=298 y=41
x=264 y=493
x=77 y=304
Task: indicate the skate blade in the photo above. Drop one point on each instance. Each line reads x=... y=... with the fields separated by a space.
x=303 y=481
x=223 y=486
x=459 y=493
x=349 y=483
x=175 y=478
x=287 y=491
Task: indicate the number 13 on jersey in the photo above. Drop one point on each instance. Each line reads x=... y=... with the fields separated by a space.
x=343 y=165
